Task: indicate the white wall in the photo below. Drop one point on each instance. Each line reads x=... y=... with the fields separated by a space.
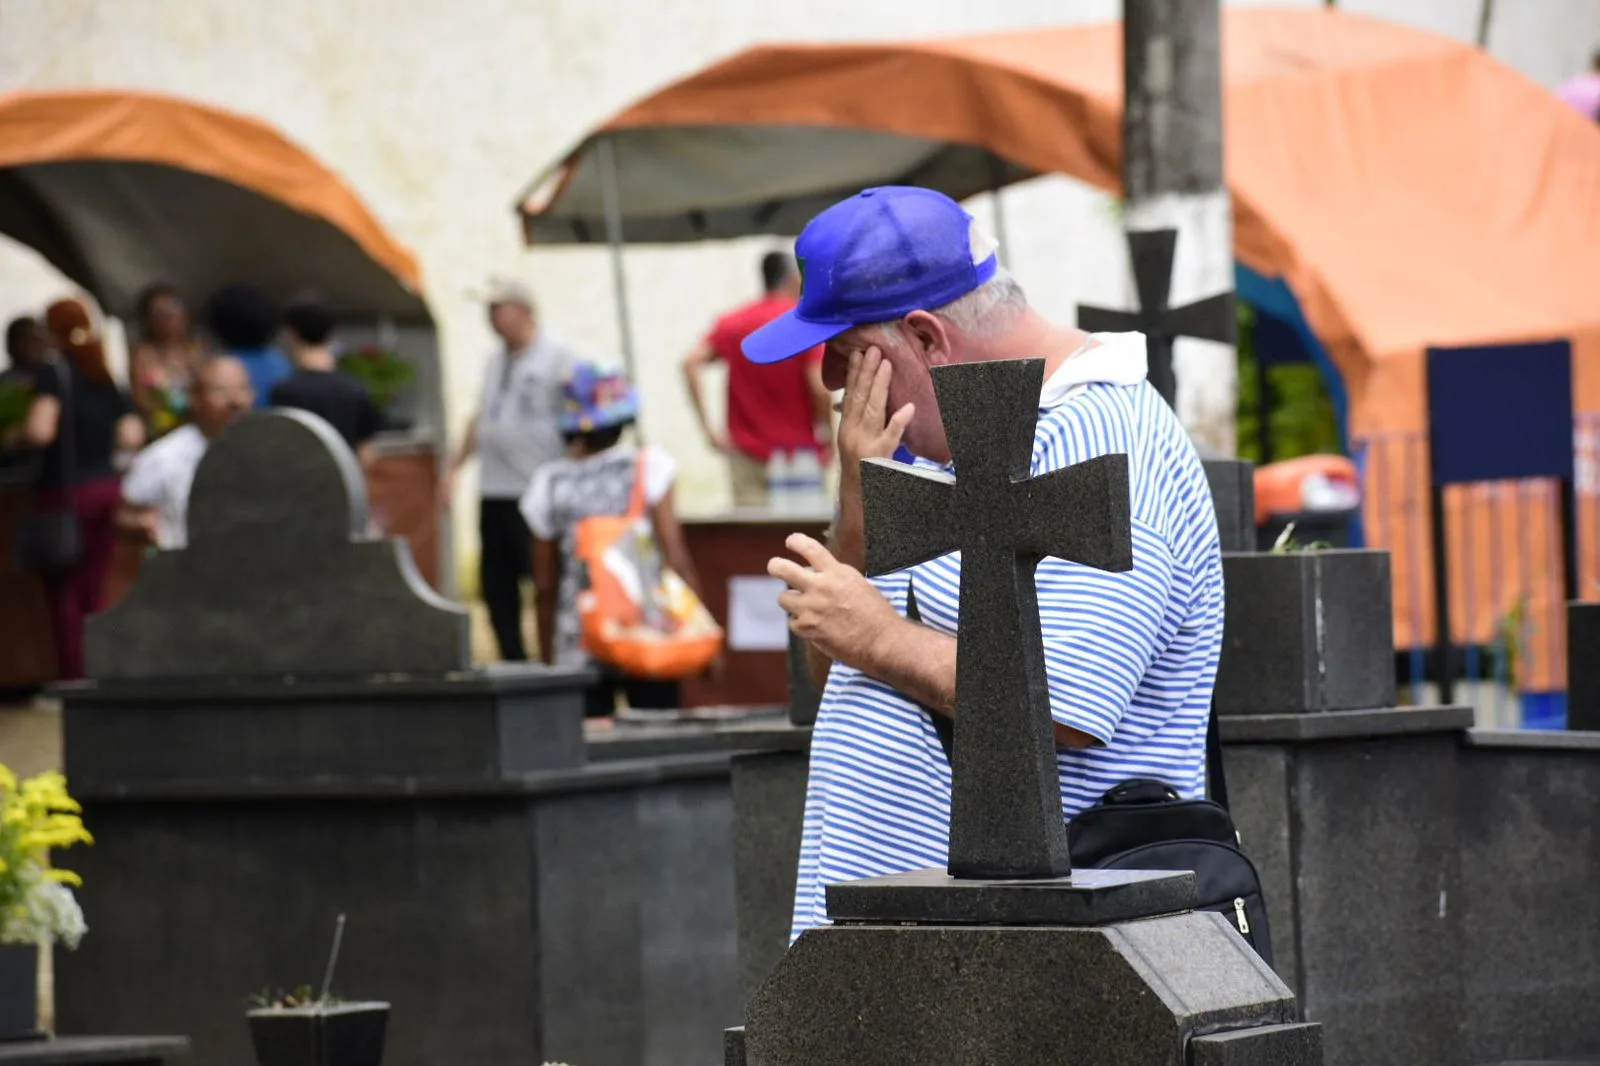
x=439 y=113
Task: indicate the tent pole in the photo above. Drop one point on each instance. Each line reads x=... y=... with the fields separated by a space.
x=998 y=206
x=619 y=278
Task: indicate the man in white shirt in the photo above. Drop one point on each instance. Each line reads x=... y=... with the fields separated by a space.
x=513 y=434
x=155 y=494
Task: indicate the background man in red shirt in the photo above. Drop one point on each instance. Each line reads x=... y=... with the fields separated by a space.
x=781 y=406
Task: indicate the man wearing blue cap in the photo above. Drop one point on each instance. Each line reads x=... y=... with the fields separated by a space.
x=898 y=281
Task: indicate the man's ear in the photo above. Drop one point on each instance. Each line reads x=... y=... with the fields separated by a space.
x=929 y=337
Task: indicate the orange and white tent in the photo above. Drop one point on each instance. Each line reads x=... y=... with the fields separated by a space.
x=1408 y=189
x=118 y=189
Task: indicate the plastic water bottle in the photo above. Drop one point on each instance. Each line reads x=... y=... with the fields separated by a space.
x=779 y=482
x=805 y=476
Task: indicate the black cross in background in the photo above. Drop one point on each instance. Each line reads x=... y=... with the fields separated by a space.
x=1005 y=804
x=1209 y=319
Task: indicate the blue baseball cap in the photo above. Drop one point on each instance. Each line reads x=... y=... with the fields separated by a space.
x=877 y=256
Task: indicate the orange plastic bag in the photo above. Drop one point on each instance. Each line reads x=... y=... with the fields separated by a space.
x=634 y=613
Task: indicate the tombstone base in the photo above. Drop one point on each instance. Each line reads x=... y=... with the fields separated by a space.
x=1085 y=898
x=1129 y=994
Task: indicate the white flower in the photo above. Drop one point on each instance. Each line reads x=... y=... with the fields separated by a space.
x=50 y=912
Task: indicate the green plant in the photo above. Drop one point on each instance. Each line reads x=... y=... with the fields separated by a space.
x=302 y=996
x=266 y=999
x=1287 y=545
x=1301 y=420
x=1511 y=634
x=15 y=399
x=382 y=372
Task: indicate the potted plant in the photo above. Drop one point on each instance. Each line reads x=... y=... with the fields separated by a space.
x=1306 y=628
x=37 y=907
x=299 y=1029
x=381 y=371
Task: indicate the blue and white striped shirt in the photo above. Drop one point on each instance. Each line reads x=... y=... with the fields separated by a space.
x=1131 y=657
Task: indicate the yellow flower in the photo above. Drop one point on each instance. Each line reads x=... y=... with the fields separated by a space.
x=65 y=877
x=8 y=780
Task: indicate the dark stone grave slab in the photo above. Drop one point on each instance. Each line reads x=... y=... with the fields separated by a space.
x=857 y=995
x=1306 y=632
x=1097 y=897
x=278 y=577
x=1530 y=854
x=1233 y=492
x=95 y=1051
x=1277 y=1045
x=804 y=697
x=1583 y=666
x=1356 y=834
x=769 y=791
x=141 y=736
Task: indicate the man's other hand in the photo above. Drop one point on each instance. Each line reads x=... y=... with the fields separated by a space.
x=831 y=605
x=866 y=431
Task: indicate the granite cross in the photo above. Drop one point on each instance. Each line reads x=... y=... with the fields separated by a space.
x=1209 y=319
x=1005 y=806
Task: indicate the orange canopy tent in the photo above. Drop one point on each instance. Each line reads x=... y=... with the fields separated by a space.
x=1409 y=191
x=119 y=189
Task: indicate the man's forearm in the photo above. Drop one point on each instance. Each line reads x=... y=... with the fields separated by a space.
x=920 y=663
x=848 y=541
x=917 y=662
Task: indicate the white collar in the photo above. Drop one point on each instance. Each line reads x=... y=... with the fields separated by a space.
x=1116 y=359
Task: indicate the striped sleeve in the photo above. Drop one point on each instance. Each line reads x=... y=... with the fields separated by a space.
x=1101 y=633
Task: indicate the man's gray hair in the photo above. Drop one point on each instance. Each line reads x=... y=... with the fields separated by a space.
x=989 y=309
x=983 y=313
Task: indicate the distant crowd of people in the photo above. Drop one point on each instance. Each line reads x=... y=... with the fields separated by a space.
x=548 y=435
x=104 y=459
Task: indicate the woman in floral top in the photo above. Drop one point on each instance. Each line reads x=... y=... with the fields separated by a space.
x=164 y=361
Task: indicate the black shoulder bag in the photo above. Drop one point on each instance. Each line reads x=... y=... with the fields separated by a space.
x=50 y=542
x=1144 y=824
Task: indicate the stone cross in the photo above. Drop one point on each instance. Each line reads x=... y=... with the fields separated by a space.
x=1209 y=319
x=1005 y=806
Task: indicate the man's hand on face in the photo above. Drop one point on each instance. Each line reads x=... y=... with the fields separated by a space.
x=866 y=431
x=831 y=605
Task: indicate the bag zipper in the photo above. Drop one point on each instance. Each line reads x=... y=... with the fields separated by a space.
x=1238 y=914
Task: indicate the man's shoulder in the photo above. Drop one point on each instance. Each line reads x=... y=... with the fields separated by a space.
x=172 y=450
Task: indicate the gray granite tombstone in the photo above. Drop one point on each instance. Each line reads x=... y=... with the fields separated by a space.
x=805 y=699
x=1306 y=631
x=1010 y=957
x=279 y=576
x=1233 y=493
x=284 y=644
x=1583 y=666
